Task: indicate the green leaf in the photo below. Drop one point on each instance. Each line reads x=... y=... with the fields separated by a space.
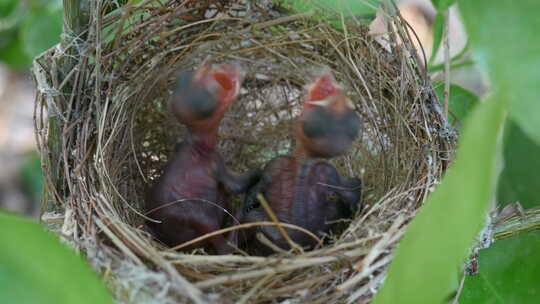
x=7 y=7
x=506 y=40
x=31 y=176
x=461 y=101
x=441 y=5
x=11 y=51
x=520 y=177
x=36 y=268
x=508 y=273
x=438 y=239
x=40 y=31
x=438 y=27
x=359 y=10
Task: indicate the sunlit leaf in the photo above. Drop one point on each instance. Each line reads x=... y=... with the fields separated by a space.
x=520 y=177
x=438 y=239
x=36 y=268
x=506 y=40
x=508 y=273
x=40 y=31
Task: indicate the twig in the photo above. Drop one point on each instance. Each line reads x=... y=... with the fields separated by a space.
x=362 y=291
x=265 y=241
x=516 y=224
x=279 y=225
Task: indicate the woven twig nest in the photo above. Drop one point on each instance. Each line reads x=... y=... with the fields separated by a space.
x=104 y=133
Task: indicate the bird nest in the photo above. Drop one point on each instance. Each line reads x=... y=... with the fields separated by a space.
x=105 y=132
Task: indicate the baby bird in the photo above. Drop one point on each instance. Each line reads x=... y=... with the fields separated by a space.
x=302 y=189
x=190 y=197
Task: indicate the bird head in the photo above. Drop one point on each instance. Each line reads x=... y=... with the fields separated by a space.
x=201 y=98
x=328 y=123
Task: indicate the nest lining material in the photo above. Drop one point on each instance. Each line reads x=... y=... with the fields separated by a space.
x=104 y=133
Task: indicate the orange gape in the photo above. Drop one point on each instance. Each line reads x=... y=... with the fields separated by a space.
x=302 y=189
x=190 y=197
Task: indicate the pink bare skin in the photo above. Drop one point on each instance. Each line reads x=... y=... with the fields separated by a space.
x=191 y=197
x=303 y=189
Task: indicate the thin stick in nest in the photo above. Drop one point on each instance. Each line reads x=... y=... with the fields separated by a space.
x=245 y=226
x=274 y=219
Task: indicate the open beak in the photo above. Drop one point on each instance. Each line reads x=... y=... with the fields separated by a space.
x=321 y=88
x=324 y=91
x=224 y=81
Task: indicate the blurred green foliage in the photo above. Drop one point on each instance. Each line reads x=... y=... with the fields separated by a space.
x=520 y=178
x=36 y=268
x=28 y=28
x=362 y=11
x=7 y=7
x=31 y=176
x=40 y=30
x=425 y=267
x=506 y=40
